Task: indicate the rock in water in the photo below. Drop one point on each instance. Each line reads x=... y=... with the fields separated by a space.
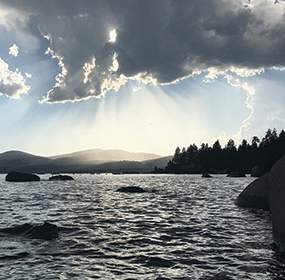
x=271 y=186
x=276 y=200
x=256 y=171
x=61 y=178
x=206 y=175
x=47 y=231
x=21 y=177
x=18 y=229
x=236 y=174
x=131 y=190
x=255 y=194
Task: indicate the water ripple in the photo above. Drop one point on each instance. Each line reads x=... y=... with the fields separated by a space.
x=182 y=227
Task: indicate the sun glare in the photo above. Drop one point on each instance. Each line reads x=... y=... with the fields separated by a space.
x=113 y=36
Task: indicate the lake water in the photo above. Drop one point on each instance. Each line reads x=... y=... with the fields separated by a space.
x=183 y=227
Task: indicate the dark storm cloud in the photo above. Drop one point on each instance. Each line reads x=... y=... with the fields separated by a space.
x=163 y=39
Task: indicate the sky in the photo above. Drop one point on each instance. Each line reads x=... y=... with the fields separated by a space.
x=142 y=76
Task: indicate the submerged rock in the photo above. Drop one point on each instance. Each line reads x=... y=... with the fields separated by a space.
x=47 y=231
x=18 y=229
x=236 y=174
x=61 y=178
x=21 y=177
x=131 y=190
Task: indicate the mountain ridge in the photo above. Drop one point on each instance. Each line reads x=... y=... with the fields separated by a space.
x=86 y=161
x=107 y=155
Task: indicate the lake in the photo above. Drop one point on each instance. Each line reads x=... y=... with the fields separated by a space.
x=183 y=227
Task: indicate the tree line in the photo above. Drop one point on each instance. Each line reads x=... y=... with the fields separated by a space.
x=215 y=159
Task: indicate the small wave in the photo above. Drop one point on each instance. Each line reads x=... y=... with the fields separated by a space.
x=15 y=256
x=190 y=229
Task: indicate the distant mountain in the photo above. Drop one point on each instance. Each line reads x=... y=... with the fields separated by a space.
x=124 y=166
x=159 y=162
x=14 y=155
x=94 y=156
x=16 y=160
x=89 y=161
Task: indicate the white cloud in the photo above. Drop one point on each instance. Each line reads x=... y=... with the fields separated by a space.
x=14 y=50
x=12 y=84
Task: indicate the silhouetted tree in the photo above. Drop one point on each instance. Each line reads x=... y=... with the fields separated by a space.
x=217 y=146
x=255 y=141
x=177 y=156
x=244 y=157
x=215 y=159
x=281 y=142
x=230 y=156
x=282 y=135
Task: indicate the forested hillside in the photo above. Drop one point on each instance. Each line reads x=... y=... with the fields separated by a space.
x=215 y=159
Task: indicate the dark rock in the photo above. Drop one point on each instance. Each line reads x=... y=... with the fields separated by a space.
x=18 y=229
x=61 y=178
x=21 y=177
x=256 y=171
x=206 y=175
x=255 y=194
x=276 y=198
x=131 y=190
x=270 y=186
x=236 y=174
x=159 y=262
x=47 y=231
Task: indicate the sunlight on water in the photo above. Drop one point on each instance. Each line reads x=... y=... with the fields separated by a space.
x=183 y=227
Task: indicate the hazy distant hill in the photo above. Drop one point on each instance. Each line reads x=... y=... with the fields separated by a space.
x=125 y=166
x=16 y=160
x=95 y=160
x=95 y=156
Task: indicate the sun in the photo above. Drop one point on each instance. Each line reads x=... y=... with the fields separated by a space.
x=113 y=36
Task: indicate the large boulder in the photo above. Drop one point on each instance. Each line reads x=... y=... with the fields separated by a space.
x=21 y=177
x=255 y=194
x=271 y=186
x=276 y=200
x=256 y=171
